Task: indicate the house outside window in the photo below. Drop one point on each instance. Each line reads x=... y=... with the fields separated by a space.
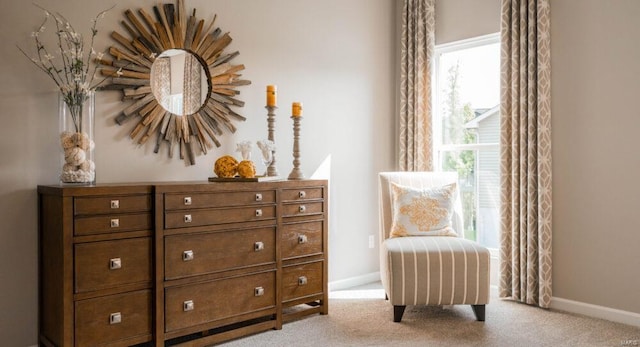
x=466 y=129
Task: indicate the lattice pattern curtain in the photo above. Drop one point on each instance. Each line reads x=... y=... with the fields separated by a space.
x=191 y=89
x=415 y=139
x=526 y=152
x=161 y=72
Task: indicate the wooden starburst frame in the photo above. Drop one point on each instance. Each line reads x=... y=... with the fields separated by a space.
x=130 y=71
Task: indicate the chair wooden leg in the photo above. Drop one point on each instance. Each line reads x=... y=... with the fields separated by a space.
x=398 y=311
x=478 y=310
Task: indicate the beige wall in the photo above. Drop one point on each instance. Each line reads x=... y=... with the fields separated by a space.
x=462 y=19
x=335 y=56
x=595 y=122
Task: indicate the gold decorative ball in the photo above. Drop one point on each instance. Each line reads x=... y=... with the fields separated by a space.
x=226 y=166
x=247 y=169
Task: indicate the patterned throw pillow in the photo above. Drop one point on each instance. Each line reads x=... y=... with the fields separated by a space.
x=422 y=212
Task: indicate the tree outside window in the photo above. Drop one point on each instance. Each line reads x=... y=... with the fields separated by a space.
x=466 y=129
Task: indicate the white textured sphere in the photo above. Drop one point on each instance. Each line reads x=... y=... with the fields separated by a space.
x=75 y=156
x=68 y=167
x=88 y=165
x=66 y=140
x=81 y=140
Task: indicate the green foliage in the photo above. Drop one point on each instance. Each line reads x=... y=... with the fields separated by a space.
x=455 y=116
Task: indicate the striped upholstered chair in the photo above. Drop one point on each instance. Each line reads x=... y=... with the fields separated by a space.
x=430 y=270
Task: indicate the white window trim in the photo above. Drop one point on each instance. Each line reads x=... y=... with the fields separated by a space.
x=438 y=147
x=468 y=147
x=467 y=43
x=438 y=51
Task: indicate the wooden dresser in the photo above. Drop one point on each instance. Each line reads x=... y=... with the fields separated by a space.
x=179 y=263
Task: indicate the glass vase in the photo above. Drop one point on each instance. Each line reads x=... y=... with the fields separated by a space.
x=76 y=138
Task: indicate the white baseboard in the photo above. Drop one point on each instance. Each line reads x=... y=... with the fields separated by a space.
x=595 y=311
x=354 y=281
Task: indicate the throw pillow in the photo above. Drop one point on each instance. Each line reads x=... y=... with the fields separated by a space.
x=422 y=212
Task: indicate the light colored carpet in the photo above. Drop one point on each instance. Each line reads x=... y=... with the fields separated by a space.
x=361 y=317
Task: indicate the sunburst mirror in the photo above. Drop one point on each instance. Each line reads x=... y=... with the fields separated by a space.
x=178 y=82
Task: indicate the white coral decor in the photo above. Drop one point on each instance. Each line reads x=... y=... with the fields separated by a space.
x=77 y=167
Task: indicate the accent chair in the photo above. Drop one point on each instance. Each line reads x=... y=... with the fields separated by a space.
x=430 y=270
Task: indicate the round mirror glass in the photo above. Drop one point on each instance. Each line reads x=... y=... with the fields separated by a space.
x=179 y=82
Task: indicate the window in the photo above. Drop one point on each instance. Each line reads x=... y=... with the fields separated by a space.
x=466 y=129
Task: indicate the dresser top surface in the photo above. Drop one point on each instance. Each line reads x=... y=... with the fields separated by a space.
x=170 y=186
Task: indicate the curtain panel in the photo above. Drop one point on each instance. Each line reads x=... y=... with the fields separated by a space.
x=161 y=82
x=417 y=42
x=525 y=268
x=191 y=89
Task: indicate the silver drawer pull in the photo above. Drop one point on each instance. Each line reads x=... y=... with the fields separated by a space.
x=258 y=213
x=187 y=218
x=258 y=291
x=302 y=280
x=187 y=200
x=187 y=255
x=115 y=263
x=115 y=318
x=302 y=194
x=258 y=246
x=258 y=197
x=302 y=239
x=115 y=204
x=115 y=223
x=188 y=306
x=302 y=209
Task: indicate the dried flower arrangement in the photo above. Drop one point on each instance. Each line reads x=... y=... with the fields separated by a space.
x=71 y=66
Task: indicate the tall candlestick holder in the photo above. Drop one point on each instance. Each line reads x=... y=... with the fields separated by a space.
x=296 y=173
x=271 y=121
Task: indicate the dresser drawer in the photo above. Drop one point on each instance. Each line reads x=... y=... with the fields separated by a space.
x=301 y=280
x=196 y=254
x=301 y=239
x=302 y=209
x=108 y=264
x=107 y=320
x=201 y=303
x=302 y=194
x=223 y=199
x=112 y=204
x=194 y=218
x=112 y=223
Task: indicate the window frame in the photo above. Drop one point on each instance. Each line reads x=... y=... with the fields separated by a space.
x=438 y=147
x=438 y=51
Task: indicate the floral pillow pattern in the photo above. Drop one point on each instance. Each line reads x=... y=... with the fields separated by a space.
x=422 y=212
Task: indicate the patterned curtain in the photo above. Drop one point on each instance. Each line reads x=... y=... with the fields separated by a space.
x=161 y=81
x=191 y=91
x=415 y=139
x=525 y=252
